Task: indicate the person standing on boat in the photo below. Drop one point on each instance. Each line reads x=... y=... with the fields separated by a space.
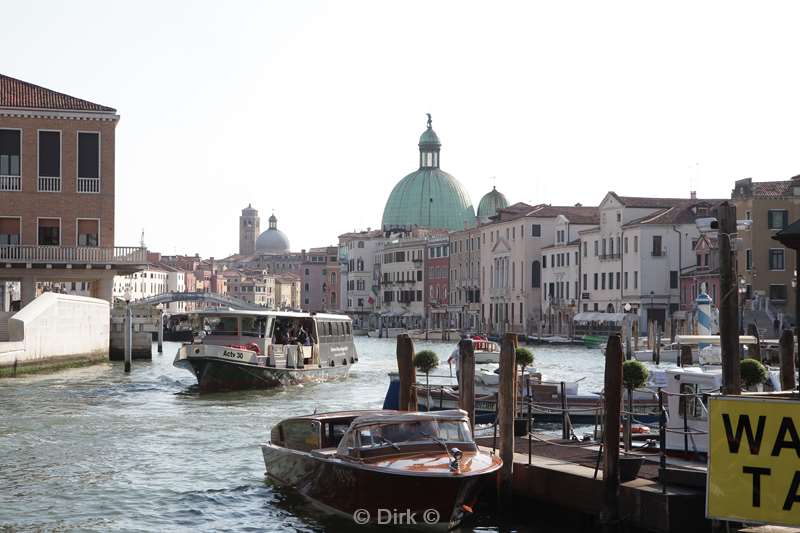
x=455 y=358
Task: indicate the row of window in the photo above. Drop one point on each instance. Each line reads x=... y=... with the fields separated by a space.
x=48 y=232
x=393 y=277
x=49 y=159
x=559 y=290
x=356 y=285
x=458 y=246
x=400 y=257
x=776 y=259
x=511 y=233
x=558 y=260
x=439 y=251
x=402 y=296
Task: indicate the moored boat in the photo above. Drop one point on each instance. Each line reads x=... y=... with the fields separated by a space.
x=365 y=463
x=260 y=349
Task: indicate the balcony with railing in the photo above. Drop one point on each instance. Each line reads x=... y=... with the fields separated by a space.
x=49 y=184
x=68 y=255
x=610 y=257
x=10 y=183
x=90 y=185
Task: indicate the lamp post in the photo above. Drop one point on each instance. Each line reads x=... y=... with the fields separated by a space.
x=742 y=291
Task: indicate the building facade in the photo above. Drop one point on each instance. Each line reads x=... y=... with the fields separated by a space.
x=768 y=269
x=560 y=278
x=511 y=262
x=255 y=287
x=636 y=253
x=437 y=286
x=403 y=282
x=464 y=293
x=57 y=191
x=359 y=251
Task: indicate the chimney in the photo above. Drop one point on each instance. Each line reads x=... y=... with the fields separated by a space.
x=693 y=195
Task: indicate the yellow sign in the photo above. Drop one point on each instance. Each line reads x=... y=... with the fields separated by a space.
x=754 y=460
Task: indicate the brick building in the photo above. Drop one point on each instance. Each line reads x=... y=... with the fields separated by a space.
x=57 y=191
x=437 y=268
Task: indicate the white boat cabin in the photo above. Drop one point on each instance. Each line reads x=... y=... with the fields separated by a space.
x=276 y=334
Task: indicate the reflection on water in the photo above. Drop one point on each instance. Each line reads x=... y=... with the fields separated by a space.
x=94 y=449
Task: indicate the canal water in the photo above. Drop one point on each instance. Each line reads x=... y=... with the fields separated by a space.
x=94 y=449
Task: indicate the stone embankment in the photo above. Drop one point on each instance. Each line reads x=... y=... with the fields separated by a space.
x=54 y=331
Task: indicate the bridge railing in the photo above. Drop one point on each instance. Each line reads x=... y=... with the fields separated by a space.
x=111 y=255
x=212 y=297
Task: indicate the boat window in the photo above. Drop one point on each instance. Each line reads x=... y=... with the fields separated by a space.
x=221 y=325
x=330 y=328
x=253 y=326
x=413 y=431
x=303 y=435
x=334 y=431
x=347 y=324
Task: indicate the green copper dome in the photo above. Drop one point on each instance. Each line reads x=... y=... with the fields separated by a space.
x=429 y=197
x=490 y=203
x=429 y=139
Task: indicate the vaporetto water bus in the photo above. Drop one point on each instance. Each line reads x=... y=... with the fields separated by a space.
x=234 y=350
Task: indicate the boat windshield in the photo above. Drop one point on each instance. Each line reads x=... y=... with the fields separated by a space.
x=414 y=431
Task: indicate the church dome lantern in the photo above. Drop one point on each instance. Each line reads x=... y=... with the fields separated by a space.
x=428 y=197
x=273 y=240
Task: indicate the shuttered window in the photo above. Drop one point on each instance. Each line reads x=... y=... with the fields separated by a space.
x=88 y=233
x=9 y=152
x=50 y=154
x=88 y=155
x=9 y=231
x=49 y=232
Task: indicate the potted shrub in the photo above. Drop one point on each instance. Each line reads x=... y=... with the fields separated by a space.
x=425 y=361
x=753 y=373
x=634 y=375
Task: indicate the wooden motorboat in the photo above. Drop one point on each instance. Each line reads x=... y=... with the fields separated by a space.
x=364 y=464
x=234 y=350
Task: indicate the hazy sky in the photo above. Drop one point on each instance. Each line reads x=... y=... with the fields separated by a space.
x=314 y=109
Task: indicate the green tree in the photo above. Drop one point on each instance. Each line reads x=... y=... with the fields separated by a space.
x=425 y=361
x=753 y=372
x=634 y=375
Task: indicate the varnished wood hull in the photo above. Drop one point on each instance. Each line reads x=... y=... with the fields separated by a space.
x=349 y=487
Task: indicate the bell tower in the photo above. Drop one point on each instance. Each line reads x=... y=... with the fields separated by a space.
x=249 y=229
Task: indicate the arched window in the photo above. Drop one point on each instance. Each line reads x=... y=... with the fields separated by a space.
x=536 y=275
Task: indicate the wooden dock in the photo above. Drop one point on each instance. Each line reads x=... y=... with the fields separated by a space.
x=562 y=474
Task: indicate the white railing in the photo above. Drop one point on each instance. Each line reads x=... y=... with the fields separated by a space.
x=88 y=184
x=49 y=184
x=10 y=183
x=78 y=254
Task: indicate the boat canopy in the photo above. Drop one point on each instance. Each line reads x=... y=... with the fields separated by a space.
x=710 y=339
x=597 y=316
x=395 y=417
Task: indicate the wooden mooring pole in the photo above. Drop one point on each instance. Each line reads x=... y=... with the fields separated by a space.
x=609 y=517
x=506 y=413
x=729 y=302
x=407 y=374
x=127 y=324
x=787 y=360
x=466 y=380
x=161 y=333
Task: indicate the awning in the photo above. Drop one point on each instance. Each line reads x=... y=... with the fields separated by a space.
x=597 y=316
